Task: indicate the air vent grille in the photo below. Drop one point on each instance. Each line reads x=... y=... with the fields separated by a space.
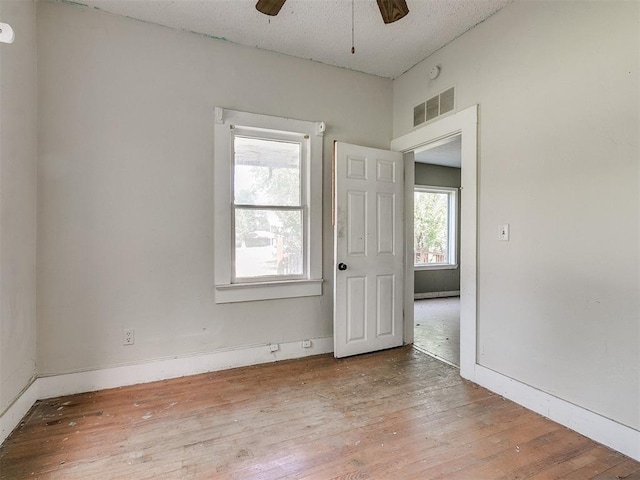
x=433 y=108
x=442 y=103
x=418 y=114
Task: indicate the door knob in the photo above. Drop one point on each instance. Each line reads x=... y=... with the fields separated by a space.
x=342 y=266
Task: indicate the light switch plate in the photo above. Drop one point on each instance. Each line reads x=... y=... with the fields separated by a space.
x=503 y=234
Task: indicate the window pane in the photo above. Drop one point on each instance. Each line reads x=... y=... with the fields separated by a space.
x=431 y=227
x=267 y=172
x=268 y=242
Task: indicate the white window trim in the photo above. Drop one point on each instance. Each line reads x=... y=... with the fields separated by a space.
x=453 y=229
x=435 y=266
x=225 y=290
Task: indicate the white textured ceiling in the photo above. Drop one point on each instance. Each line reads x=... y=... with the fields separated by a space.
x=447 y=152
x=319 y=29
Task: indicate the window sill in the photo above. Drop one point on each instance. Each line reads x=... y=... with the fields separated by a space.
x=250 y=292
x=437 y=266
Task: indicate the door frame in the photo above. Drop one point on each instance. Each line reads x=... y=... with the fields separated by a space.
x=464 y=122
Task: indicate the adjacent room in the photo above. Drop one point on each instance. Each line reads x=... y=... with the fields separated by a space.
x=319 y=239
x=436 y=240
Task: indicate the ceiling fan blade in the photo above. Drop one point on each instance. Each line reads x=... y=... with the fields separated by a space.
x=270 y=7
x=392 y=10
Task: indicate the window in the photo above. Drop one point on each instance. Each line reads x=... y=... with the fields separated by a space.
x=434 y=227
x=268 y=213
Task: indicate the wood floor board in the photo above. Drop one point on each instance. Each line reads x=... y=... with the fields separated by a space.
x=590 y=456
x=529 y=458
x=391 y=458
x=410 y=426
x=461 y=456
x=604 y=459
x=437 y=328
x=625 y=470
x=396 y=414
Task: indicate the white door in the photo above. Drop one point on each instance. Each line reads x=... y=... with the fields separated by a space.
x=368 y=249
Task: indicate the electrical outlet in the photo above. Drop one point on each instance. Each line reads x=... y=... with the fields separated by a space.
x=306 y=343
x=274 y=347
x=128 y=337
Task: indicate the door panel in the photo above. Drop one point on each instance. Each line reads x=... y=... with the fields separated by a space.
x=356 y=308
x=357 y=223
x=368 y=241
x=386 y=217
x=385 y=294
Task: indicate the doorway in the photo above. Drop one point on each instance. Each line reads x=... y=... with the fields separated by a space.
x=436 y=241
x=464 y=123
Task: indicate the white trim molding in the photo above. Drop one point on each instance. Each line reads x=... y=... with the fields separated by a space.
x=124 y=375
x=309 y=134
x=464 y=122
x=435 y=266
x=449 y=293
x=248 y=292
x=608 y=432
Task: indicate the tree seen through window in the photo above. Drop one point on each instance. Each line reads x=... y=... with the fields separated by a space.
x=433 y=236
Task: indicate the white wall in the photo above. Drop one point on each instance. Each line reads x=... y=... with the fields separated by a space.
x=557 y=84
x=17 y=201
x=125 y=219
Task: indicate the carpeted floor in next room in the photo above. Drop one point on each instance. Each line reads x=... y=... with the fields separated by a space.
x=437 y=328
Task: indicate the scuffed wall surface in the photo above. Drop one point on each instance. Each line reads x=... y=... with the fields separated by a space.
x=17 y=201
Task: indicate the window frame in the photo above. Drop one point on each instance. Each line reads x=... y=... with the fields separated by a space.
x=452 y=228
x=228 y=288
x=289 y=137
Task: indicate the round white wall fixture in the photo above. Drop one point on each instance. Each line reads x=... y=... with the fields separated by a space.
x=6 y=33
x=434 y=72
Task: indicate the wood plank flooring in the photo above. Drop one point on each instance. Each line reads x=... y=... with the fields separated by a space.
x=437 y=328
x=397 y=414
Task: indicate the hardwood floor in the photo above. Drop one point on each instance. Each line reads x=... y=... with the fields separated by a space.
x=437 y=328
x=397 y=414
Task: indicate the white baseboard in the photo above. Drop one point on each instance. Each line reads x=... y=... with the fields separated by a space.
x=422 y=296
x=88 y=381
x=603 y=430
